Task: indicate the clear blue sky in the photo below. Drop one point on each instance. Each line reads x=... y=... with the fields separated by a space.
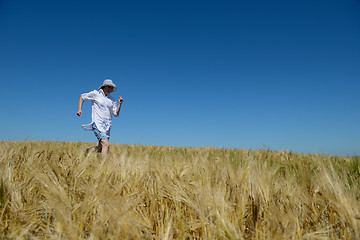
x=283 y=75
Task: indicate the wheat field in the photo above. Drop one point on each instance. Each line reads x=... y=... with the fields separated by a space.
x=54 y=190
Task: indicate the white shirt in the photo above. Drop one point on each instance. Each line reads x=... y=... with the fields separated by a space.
x=103 y=108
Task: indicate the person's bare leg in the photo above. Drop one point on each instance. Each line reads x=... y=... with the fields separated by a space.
x=104 y=147
x=98 y=147
x=91 y=149
x=95 y=148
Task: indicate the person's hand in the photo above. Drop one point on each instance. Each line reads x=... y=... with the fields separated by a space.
x=79 y=113
x=121 y=100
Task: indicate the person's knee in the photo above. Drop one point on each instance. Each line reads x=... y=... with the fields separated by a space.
x=105 y=144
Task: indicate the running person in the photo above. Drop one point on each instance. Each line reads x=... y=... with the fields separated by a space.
x=103 y=107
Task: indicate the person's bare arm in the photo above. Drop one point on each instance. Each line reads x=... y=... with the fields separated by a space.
x=119 y=106
x=79 y=113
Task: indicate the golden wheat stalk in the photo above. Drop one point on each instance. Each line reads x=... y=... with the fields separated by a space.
x=54 y=190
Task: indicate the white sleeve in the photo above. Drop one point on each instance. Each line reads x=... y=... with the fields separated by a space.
x=114 y=108
x=89 y=96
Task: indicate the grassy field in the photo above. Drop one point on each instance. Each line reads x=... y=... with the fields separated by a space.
x=53 y=190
